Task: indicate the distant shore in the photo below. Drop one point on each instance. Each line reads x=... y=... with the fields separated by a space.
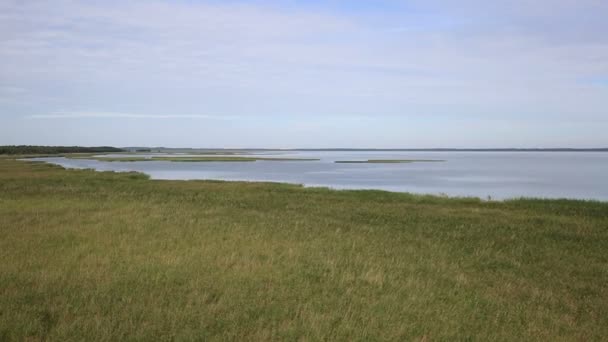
x=35 y=149
x=188 y=149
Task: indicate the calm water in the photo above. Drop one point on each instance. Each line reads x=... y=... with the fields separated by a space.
x=500 y=175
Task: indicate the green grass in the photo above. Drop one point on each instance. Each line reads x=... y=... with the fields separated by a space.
x=115 y=256
x=188 y=159
x=387 y=161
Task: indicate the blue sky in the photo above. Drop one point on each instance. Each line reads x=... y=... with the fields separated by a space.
x=278 y=74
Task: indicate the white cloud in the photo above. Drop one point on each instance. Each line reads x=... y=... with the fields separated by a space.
x=111 y=115
x=11 y=90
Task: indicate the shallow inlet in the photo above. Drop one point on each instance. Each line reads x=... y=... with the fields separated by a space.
x=499 y=175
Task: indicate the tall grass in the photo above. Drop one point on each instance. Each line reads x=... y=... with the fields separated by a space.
x=115 y=256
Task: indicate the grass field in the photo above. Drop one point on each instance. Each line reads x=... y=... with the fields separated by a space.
x=115 y=256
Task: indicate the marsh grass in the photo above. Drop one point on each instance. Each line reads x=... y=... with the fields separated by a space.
x=115 y=256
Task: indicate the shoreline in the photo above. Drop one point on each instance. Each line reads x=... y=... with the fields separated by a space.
x=313 y=186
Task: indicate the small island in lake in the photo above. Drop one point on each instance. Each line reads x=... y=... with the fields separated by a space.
x=388 y=161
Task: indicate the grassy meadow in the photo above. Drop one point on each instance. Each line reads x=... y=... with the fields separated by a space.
x=115 y=256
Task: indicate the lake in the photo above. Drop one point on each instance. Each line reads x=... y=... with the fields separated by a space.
x=499 y=175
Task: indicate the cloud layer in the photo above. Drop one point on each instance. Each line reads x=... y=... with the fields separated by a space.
x=109 y=115
x=423 y=66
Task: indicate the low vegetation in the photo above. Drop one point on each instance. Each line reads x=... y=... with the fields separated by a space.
x=387 y=161
x=115 y=256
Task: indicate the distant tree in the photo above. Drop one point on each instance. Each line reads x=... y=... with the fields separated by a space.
x=31 y=149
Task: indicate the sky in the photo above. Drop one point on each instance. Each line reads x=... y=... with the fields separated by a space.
x=288 y=74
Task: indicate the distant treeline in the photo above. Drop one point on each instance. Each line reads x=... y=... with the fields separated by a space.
x=556 y=149
x=29 y=149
